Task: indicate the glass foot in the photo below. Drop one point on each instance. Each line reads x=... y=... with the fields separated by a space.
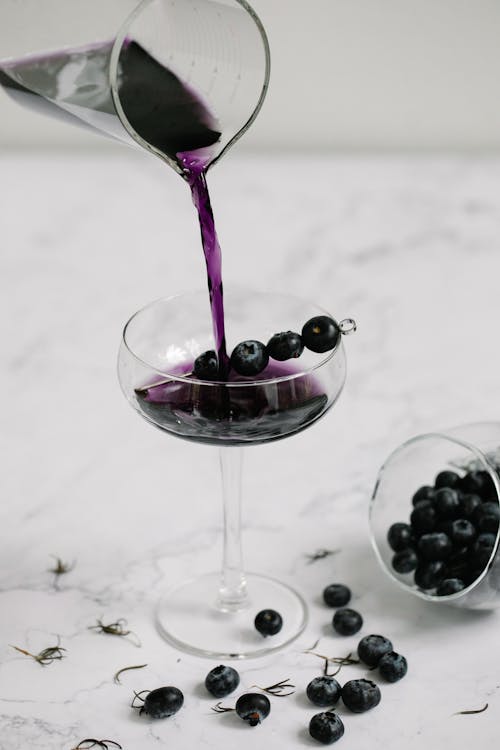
x=187 y=618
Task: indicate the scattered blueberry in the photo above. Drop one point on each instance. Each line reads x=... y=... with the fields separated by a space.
x=336 y=595
x=222 y=681
x=405 y=561
x=249 y=358
x=326 y=727
x=347 y=621
x=253 y=708
x=448 y=479
x=447 y=503
x=324 y=691
x=360 y=695
x=400 y=536
x=423 y=517
x=320 y=334
x=371 y=648
x=268 y=622
x=424 y=493
x=450 y=586
x=393 y=666
x=462 y=532
x=162 y=702
x=206 y=366
x=429 y=575
x=434 y=546
x=286 y=345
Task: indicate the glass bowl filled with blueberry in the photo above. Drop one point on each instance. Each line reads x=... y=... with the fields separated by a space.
x=435 y=516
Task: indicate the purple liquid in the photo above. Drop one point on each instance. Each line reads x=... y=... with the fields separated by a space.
x=221 y=414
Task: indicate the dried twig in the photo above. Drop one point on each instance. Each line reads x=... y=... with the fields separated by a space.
x=471 y=711
x=278 y=688
x=116 y=678
x=103 y=744
x=320 y=554
x=46 y=656
x=116 y=628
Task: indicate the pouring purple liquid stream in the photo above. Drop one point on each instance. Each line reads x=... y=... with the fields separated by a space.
x=173 y=119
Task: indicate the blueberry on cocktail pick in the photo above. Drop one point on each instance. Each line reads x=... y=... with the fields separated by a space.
x=285 y=345
x=160 y=703
x=321 y=334
x=249 y=358
x=206 y=366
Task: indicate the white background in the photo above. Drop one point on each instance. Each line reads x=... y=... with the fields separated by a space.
x=355 y=74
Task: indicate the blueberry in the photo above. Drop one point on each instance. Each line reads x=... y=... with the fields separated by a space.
x=434 y=546
x=450 y=586
x=206 y=366
x=458 y=565
x=479 y=483
x=430 y=574
x=253 y=708
x=468 y=505
x=326 y=727
x=482 y=550
x=347 y=621
x=447 y=503
x=424 y=493
x=448 y=479
x=321 y=334
x=393 y=666
x=222 y=681
x=323 y=691
x=487 y=517
x=162 y=702
x=360 y=695
x=423 y=518
x=405 y=561
x=400 y=536
x=286 y=345
x=371 y=648
x=462 y=532
x=336 y=595
x=249 y=358
x=268 y=622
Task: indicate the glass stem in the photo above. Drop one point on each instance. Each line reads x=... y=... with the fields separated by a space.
x=233 y=588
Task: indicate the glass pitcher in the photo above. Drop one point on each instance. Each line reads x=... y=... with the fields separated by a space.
x=173 y=76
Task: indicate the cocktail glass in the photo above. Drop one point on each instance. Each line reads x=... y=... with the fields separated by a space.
x=213 y=615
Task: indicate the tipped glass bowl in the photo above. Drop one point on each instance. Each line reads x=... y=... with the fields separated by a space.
x=415 y=463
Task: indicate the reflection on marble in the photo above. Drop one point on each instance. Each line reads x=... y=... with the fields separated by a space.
x=409 y=247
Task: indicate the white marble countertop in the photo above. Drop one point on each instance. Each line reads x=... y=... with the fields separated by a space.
x=410 y=248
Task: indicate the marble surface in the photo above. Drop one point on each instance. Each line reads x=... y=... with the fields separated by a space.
x=409 y=247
